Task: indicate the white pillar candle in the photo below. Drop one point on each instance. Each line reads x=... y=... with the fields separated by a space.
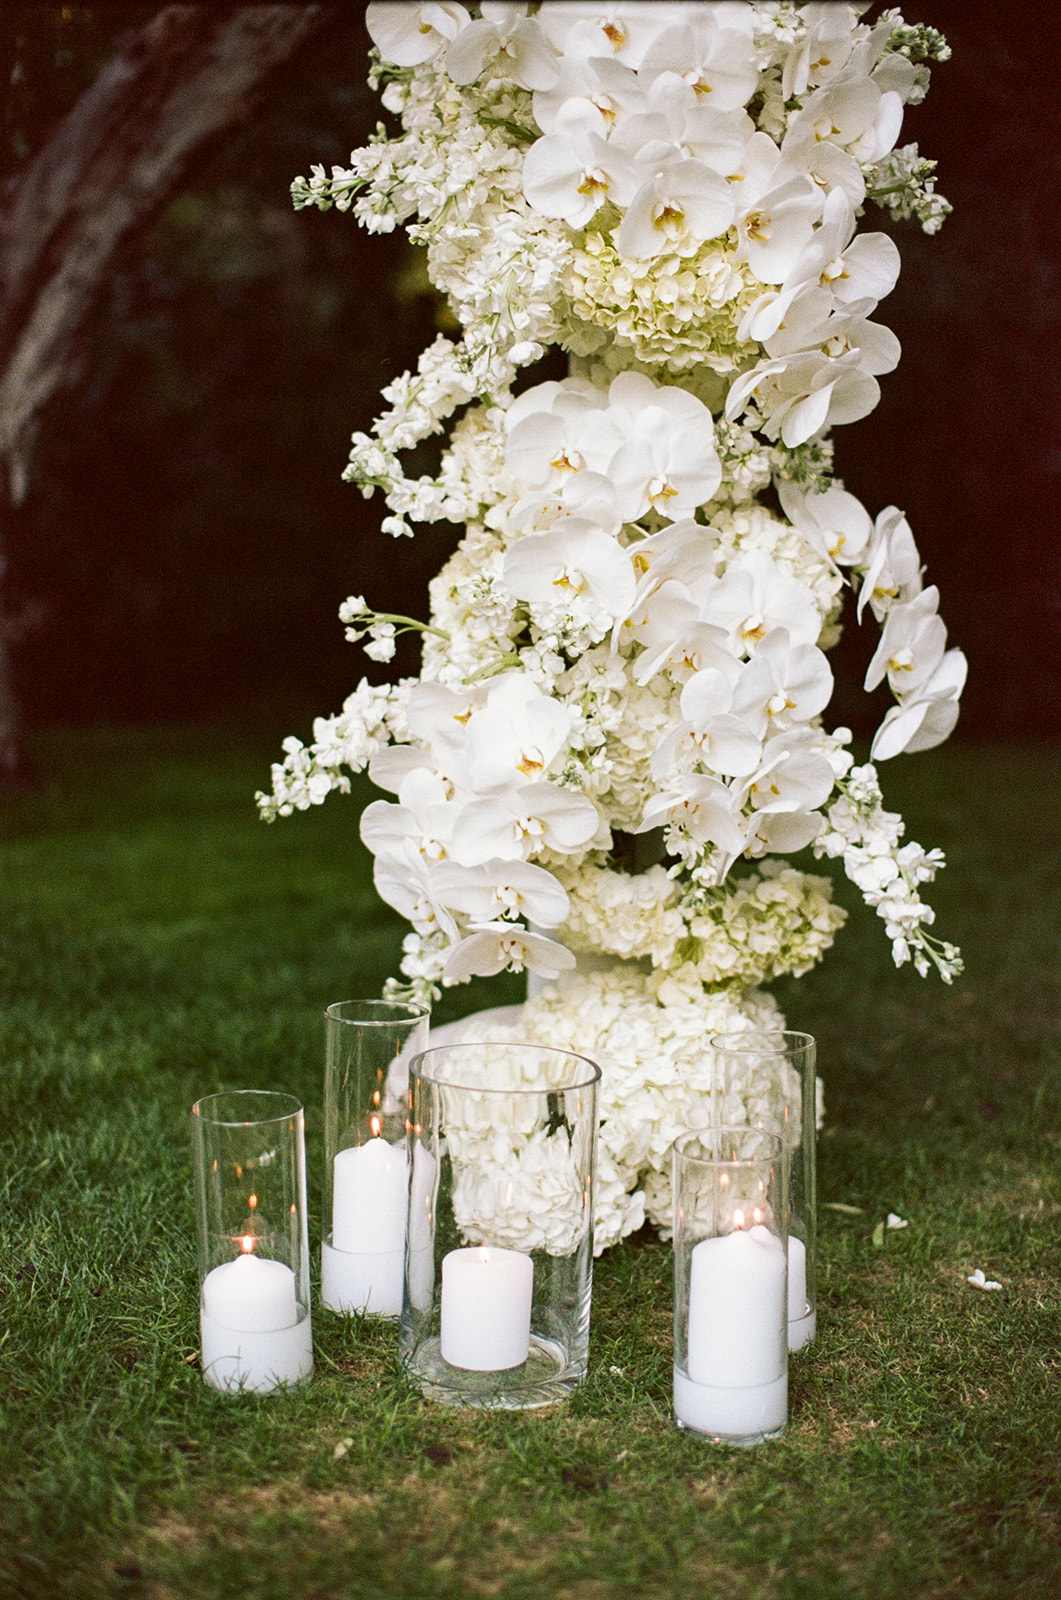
x=353 y=1282
x=737 y=1305
x=369 y=1197
x=736 y=1383
x=258 y=1362
x=251 y=1295
x=486 y=1308
x=797 y=1278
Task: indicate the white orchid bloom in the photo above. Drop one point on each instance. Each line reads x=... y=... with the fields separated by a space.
x=801 y=395
x=706 y=809
x=667 y=458
x=621 y=30
x=516 y=736
x=833 y=269
x=859 y=270
x=389 y=767
x=496 y=946
x=713 y=50
x=781 y=833
x=681 y=651
x=709 y=736
x=407 y=35
x=681 y=206
x=927 y=717
x=592 y=92
x=911 y=646
x=792 y=781
x=504 y=889
x=573 y=559
x=423 y=819
x=822 y=52
x=854 y=114
x=754 y=596
x=571 y=173
x=783 y=683
x=774 y=228
x=518 y=823
x=677 y=121
x=588 y=496
x=811 y=326
x=835 y=523
x=828 y=166
x=891 y=566
x=557 y=430
x=509 y=43
x=411 y=885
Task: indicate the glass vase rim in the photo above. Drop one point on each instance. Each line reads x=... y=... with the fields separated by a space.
x=291 y=1107
x=398 y=1011
x=594 y=1075
x=778 y=1151
x=753 y=1040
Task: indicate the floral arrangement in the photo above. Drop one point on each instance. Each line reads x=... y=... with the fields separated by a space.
x=625 y=663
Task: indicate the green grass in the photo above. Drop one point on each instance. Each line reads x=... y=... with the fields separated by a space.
x=158 y=943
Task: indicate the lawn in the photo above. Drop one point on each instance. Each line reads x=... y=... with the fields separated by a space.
x=159 y=943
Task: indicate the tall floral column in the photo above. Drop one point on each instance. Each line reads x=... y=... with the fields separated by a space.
x=617 y=741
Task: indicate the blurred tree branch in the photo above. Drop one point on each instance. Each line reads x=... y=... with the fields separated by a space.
x=173 y=87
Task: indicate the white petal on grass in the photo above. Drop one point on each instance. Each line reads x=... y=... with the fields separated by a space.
x=978 y=1280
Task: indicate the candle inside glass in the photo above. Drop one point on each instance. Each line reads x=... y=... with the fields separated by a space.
x=252 y=1294
x=486 y=1308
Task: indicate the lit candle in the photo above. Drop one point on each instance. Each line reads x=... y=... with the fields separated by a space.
x=252 y=1335
x=362 y=1266
x=486 y=1308
x=736 y=1380
x=369 y=1197
x=251 y=1295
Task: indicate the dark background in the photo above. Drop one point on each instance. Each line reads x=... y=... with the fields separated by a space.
x=187 y=539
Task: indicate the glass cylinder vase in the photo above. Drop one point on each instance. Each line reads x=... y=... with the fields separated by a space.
x=250 y=1183
x=730 y=1285
x=369 y=1045
x=769 y=1076
x=499 y=1265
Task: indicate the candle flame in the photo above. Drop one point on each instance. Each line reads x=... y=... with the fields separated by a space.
x=723 y=1181
x=376 y=1124
x=757 y=1214
x=246 y=1243
x=738 y=1219
x=252 y=1200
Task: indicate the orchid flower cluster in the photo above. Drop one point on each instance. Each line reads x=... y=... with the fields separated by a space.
x=627 y=650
